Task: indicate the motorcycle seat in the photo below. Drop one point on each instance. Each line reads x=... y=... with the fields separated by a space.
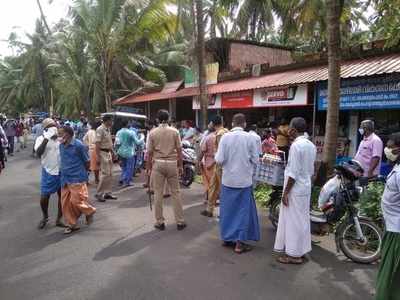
x=317 y=217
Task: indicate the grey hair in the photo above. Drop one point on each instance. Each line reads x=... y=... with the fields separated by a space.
x=299 y=124
x=368 y=124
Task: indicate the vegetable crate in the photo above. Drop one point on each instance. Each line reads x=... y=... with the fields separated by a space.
x=270 y=171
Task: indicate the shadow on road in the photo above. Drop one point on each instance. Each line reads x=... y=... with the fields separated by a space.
x=127 y=245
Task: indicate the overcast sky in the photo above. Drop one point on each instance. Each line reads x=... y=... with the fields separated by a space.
x=20 y=16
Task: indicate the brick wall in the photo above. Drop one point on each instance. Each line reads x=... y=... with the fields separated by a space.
x=242 y=55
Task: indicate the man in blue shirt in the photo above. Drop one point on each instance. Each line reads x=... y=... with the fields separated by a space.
x=74 y=177
x=126 y=142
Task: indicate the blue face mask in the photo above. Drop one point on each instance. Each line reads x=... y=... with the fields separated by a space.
x=361 y=131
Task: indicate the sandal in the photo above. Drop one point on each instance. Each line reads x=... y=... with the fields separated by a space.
x=70 y=229
x=43 y=223
x=290 y=260
x=242 y=248
x=228 y=244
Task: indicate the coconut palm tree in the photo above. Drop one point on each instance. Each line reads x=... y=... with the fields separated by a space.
x=119 y=34
x=334 y=11
x=251 y=17
x=304 y=22
x=200 y=50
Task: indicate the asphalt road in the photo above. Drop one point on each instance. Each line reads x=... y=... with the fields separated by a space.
x=121 y=256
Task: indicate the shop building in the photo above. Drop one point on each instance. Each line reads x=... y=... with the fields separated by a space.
x=370 y=88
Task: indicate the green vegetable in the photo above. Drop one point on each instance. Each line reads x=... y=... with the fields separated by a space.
x=198 y=179
x=262 y=194
x=314 y=196
x=370 y=201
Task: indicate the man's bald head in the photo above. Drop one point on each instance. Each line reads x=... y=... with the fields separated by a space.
x=239 y=120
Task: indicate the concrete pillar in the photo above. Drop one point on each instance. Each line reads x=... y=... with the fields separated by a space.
x=354 y=124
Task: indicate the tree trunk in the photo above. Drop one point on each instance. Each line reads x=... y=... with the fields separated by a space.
x=106 y=81
x=334 y=10
x=43 y=16
x=213 y=29
x=201 y=63
x=253 y=25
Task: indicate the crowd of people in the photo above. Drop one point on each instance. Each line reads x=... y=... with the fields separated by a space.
x=226 y=158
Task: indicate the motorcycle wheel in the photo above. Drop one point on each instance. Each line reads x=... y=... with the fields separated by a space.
x=365 y=252
x=275 y=204
x=187 y=176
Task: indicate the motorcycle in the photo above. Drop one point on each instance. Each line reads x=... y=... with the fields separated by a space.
x=359 y=238
x=189 y=164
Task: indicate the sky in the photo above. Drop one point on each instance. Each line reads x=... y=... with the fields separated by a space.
x=20 y=16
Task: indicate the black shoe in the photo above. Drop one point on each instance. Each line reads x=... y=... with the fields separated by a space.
x=160 y=226
x=43 y=223
x=206 y=213
x=181 y=226
x=100 y=198
x=110 y=197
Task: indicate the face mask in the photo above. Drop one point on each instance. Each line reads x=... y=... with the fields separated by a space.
x=389 y=154
x=361 y=131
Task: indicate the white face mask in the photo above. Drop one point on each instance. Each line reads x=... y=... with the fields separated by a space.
x=389 y=154
x=361 y=131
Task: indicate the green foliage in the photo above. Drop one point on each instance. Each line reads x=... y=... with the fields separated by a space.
x=370 y=201
x=198 y=179
x=105 y=49
x=314 y=196
x=262 y=194
x=102 y=51
x=387 y=21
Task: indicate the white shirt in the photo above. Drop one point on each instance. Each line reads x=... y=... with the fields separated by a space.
x=300 y=165
x=51 y=155
x=257 y=140
x=391 y=201
x=237 y=154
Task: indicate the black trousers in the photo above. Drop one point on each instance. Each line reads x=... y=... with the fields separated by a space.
x=10 y=144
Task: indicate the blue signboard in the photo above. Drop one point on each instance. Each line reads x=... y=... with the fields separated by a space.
x=380 y=92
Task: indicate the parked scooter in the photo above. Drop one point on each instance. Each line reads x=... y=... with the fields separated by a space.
x=358 y=237
x=189 y=164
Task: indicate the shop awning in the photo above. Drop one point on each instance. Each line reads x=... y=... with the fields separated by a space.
x=383 y=64
x=169 y=89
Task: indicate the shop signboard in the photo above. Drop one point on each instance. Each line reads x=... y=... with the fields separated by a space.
x=214 y=102
x=212 y=71
x=243 y=99
x=192 y=76
x=281 y=96
x=379 y=92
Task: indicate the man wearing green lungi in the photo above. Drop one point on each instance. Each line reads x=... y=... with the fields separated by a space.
x=388 y=282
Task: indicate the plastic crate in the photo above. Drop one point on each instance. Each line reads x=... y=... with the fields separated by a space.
x=270 y=172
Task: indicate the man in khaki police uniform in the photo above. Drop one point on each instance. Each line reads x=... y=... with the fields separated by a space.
x=215 y=183
x=104 y=152
x=165 y=164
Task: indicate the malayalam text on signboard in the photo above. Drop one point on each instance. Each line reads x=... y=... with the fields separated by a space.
x=237 y=99
x=380 y=92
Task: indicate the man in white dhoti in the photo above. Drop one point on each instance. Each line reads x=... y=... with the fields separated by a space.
x=293 y=237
